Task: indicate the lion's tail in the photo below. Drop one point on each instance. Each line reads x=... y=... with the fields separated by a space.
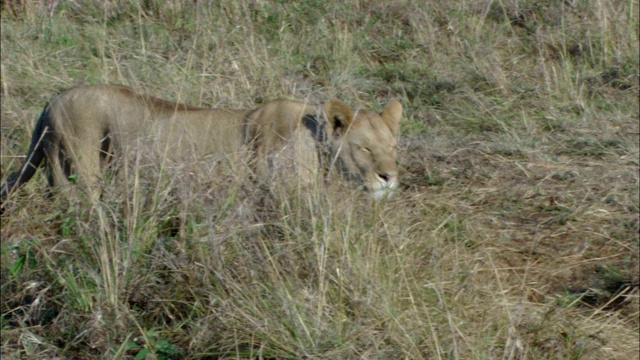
x=34 y=158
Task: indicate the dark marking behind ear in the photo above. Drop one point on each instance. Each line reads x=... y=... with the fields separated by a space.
x=317 y=128
x=319 y=133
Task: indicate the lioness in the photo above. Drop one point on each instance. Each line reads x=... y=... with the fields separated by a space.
x=82 y=130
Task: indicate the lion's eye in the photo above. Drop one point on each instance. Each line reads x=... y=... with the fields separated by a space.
x=365 y=149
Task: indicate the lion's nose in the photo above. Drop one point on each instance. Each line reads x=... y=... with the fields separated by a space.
x=387 y=177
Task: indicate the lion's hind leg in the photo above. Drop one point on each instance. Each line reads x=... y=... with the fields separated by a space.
x=70 y=166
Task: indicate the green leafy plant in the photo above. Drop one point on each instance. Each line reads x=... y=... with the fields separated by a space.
x=152 y=343
x=26 y=257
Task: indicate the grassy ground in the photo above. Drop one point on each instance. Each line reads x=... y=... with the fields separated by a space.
x=515 y=235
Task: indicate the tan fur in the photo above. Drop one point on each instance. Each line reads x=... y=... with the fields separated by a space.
x=80 y=132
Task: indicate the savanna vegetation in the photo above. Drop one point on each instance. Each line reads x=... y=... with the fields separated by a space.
x=514 y=234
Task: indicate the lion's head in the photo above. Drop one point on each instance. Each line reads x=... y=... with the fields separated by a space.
x=363 y=145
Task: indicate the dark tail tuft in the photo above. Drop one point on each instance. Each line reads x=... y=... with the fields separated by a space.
x=34 y=159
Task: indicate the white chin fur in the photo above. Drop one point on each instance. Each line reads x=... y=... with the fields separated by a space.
x=384 y=192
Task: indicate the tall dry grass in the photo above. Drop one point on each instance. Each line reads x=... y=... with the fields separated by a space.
x=515 y=235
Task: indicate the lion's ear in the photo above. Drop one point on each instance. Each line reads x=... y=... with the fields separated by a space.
x=391 y=115
x=339 y=116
